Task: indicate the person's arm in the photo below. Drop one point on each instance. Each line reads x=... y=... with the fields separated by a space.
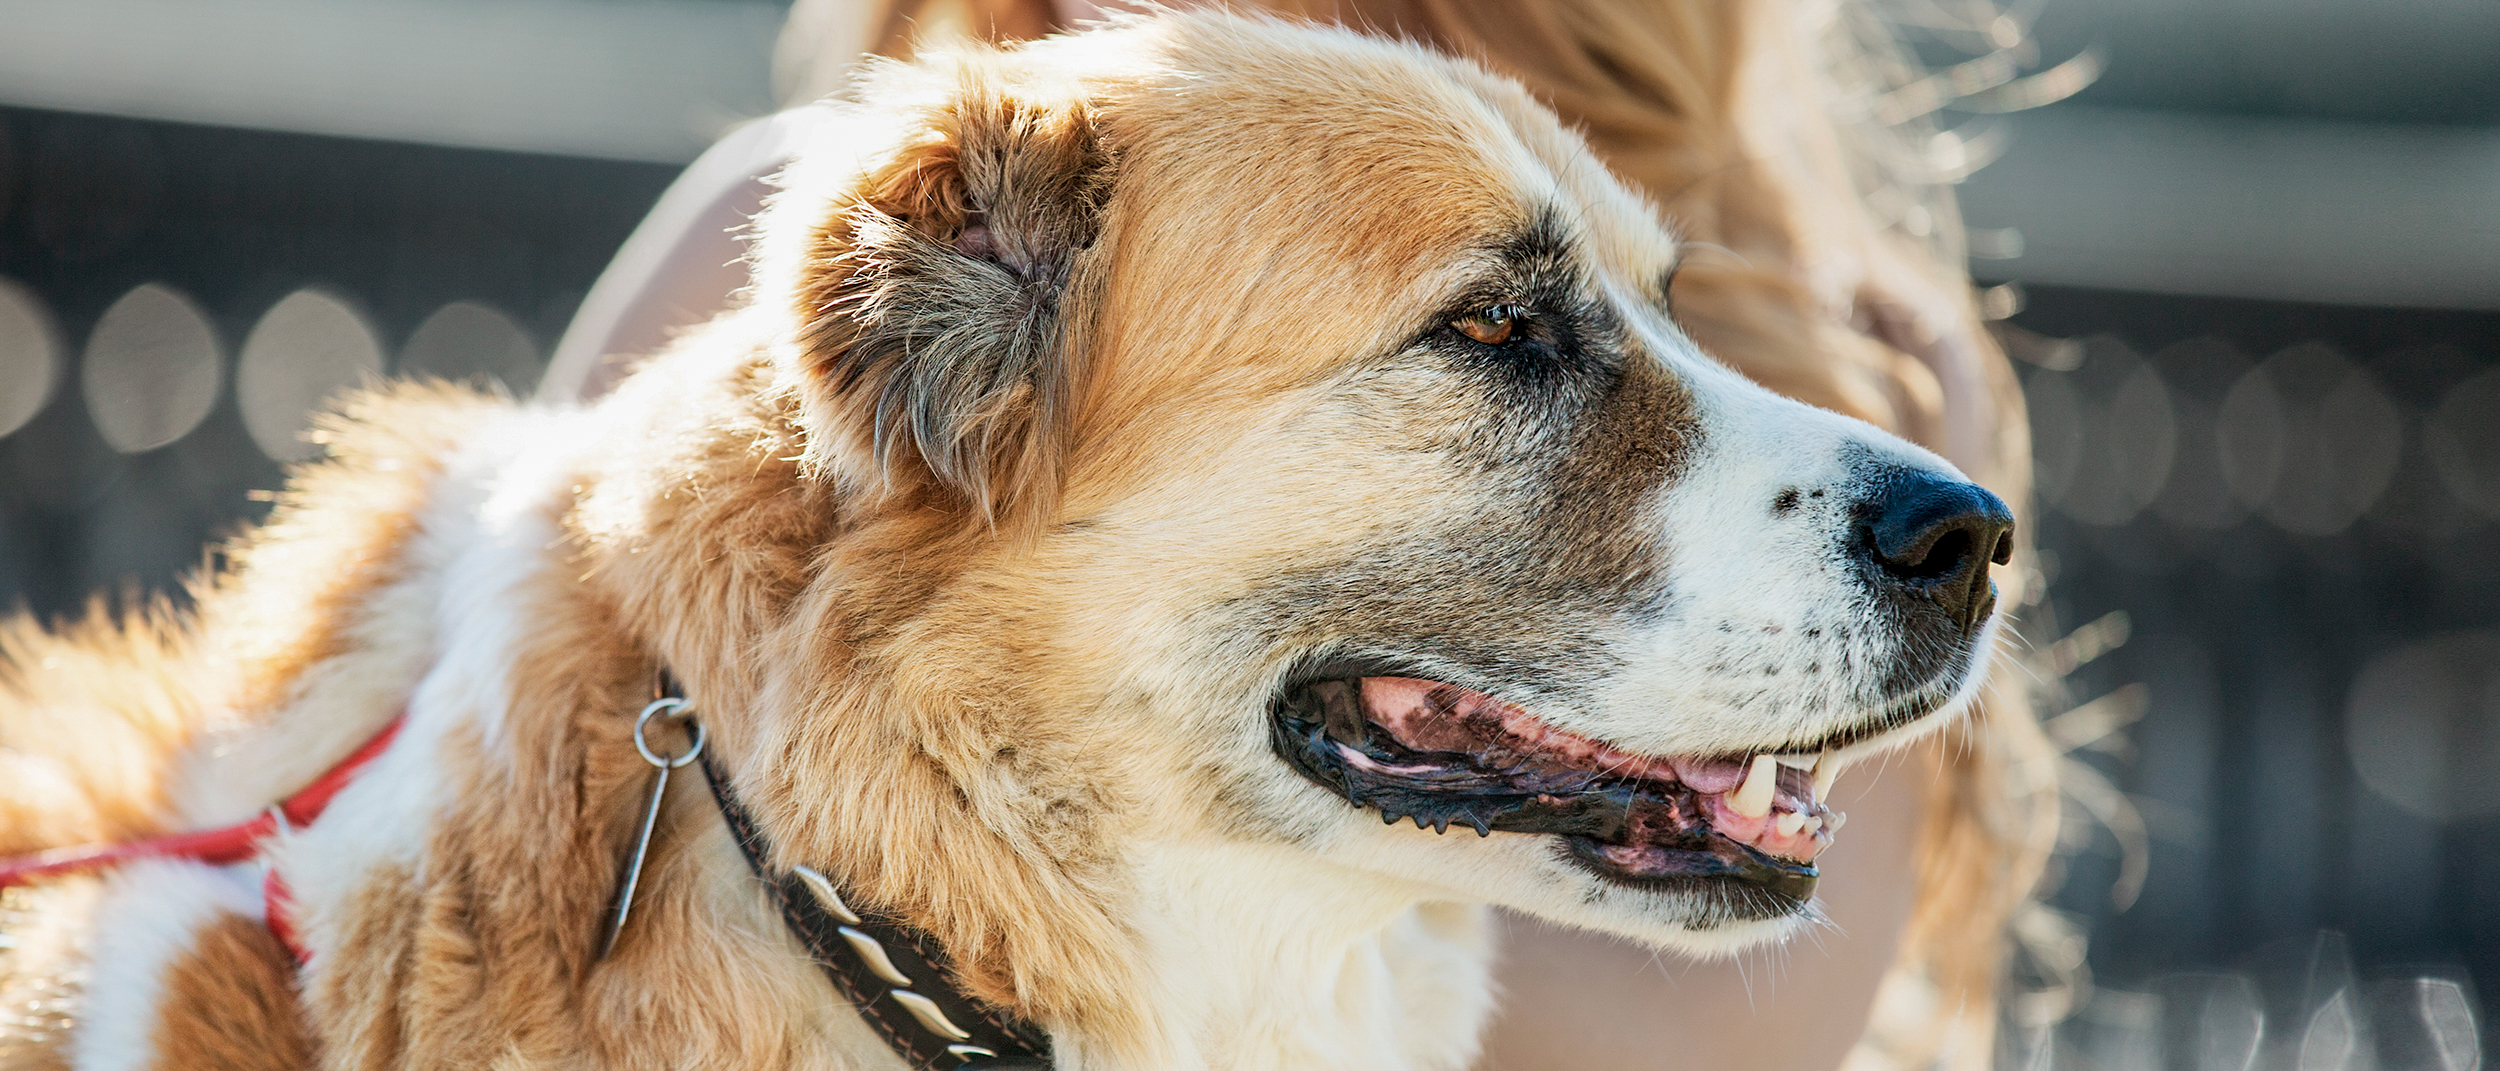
x=1572 y=999
x=684 y=264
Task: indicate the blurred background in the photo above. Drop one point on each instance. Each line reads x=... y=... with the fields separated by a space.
x=2251 y=276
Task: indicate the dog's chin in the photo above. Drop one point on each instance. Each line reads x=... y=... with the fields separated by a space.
x=1707 y=923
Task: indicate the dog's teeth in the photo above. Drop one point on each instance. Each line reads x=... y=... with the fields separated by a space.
x=1753 y=798
x=1798 y=762
x=1789 y=823
x=1838 y=820
x=1826 y=770
x=1813 y=824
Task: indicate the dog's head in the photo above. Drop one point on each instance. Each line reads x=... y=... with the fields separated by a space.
x=1263 y=432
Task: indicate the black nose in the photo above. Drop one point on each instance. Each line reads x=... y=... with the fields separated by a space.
x=1935 y=535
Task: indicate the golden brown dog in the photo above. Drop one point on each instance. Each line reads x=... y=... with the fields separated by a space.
x=1150 y=459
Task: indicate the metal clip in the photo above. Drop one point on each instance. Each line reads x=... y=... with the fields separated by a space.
x=676 y=706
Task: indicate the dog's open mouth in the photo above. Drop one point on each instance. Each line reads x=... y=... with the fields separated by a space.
x=1445 y=756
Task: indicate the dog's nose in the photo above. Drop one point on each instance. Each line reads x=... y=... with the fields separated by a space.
x=1936 y=535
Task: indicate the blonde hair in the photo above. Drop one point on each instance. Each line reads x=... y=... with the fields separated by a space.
x=1824 y=261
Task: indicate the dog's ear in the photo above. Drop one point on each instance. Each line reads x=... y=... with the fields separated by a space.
x=935 y=286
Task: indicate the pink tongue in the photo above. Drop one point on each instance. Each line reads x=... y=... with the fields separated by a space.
x=1709 y=775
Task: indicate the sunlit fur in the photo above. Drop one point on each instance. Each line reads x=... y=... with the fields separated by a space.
x=960 y=543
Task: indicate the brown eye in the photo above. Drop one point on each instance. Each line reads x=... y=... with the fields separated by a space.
x=1491 y=326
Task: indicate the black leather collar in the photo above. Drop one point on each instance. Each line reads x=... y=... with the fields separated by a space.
x=894 y=973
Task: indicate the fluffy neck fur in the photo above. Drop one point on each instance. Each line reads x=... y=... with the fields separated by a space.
x=1259 y=959
x=828 y=651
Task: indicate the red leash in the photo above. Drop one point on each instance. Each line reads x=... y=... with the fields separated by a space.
x=222 y=846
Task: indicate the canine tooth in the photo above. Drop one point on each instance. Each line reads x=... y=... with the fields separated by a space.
x=1789 y=822
x=1753 y=798
x=1826 y=771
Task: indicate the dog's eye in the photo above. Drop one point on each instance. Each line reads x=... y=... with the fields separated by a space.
x=1492 y=325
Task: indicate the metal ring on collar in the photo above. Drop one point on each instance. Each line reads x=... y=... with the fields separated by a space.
x=676 y=706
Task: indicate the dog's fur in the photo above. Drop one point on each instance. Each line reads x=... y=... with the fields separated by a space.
x=1088 y=389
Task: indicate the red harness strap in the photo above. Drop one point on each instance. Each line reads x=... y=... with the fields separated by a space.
x=222 y=846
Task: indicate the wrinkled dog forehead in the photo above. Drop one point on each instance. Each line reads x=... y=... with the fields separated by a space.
x=1334 y=172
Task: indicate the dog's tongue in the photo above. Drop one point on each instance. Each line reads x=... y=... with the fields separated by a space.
x=1428 y=715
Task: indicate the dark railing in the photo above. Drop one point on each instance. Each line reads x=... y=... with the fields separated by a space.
x=2296 y=509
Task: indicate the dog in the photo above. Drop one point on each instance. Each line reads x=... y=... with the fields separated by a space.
x=1191 y=513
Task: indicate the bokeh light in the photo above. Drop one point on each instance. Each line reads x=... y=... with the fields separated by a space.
x=2104 y=435
x=305 y=350
x=30 y=356
x=2463 y=438
x=468 y=341
x=151 y=369
x=2215 y=1023
x=2309 y=439
x=2423 y=724
x=2448 y=1024
x=2198 y=494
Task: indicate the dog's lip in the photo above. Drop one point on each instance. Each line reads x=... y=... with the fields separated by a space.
x=1434 y=718
x=1388 y=738
x=1888 y=718
x=1671 y=870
